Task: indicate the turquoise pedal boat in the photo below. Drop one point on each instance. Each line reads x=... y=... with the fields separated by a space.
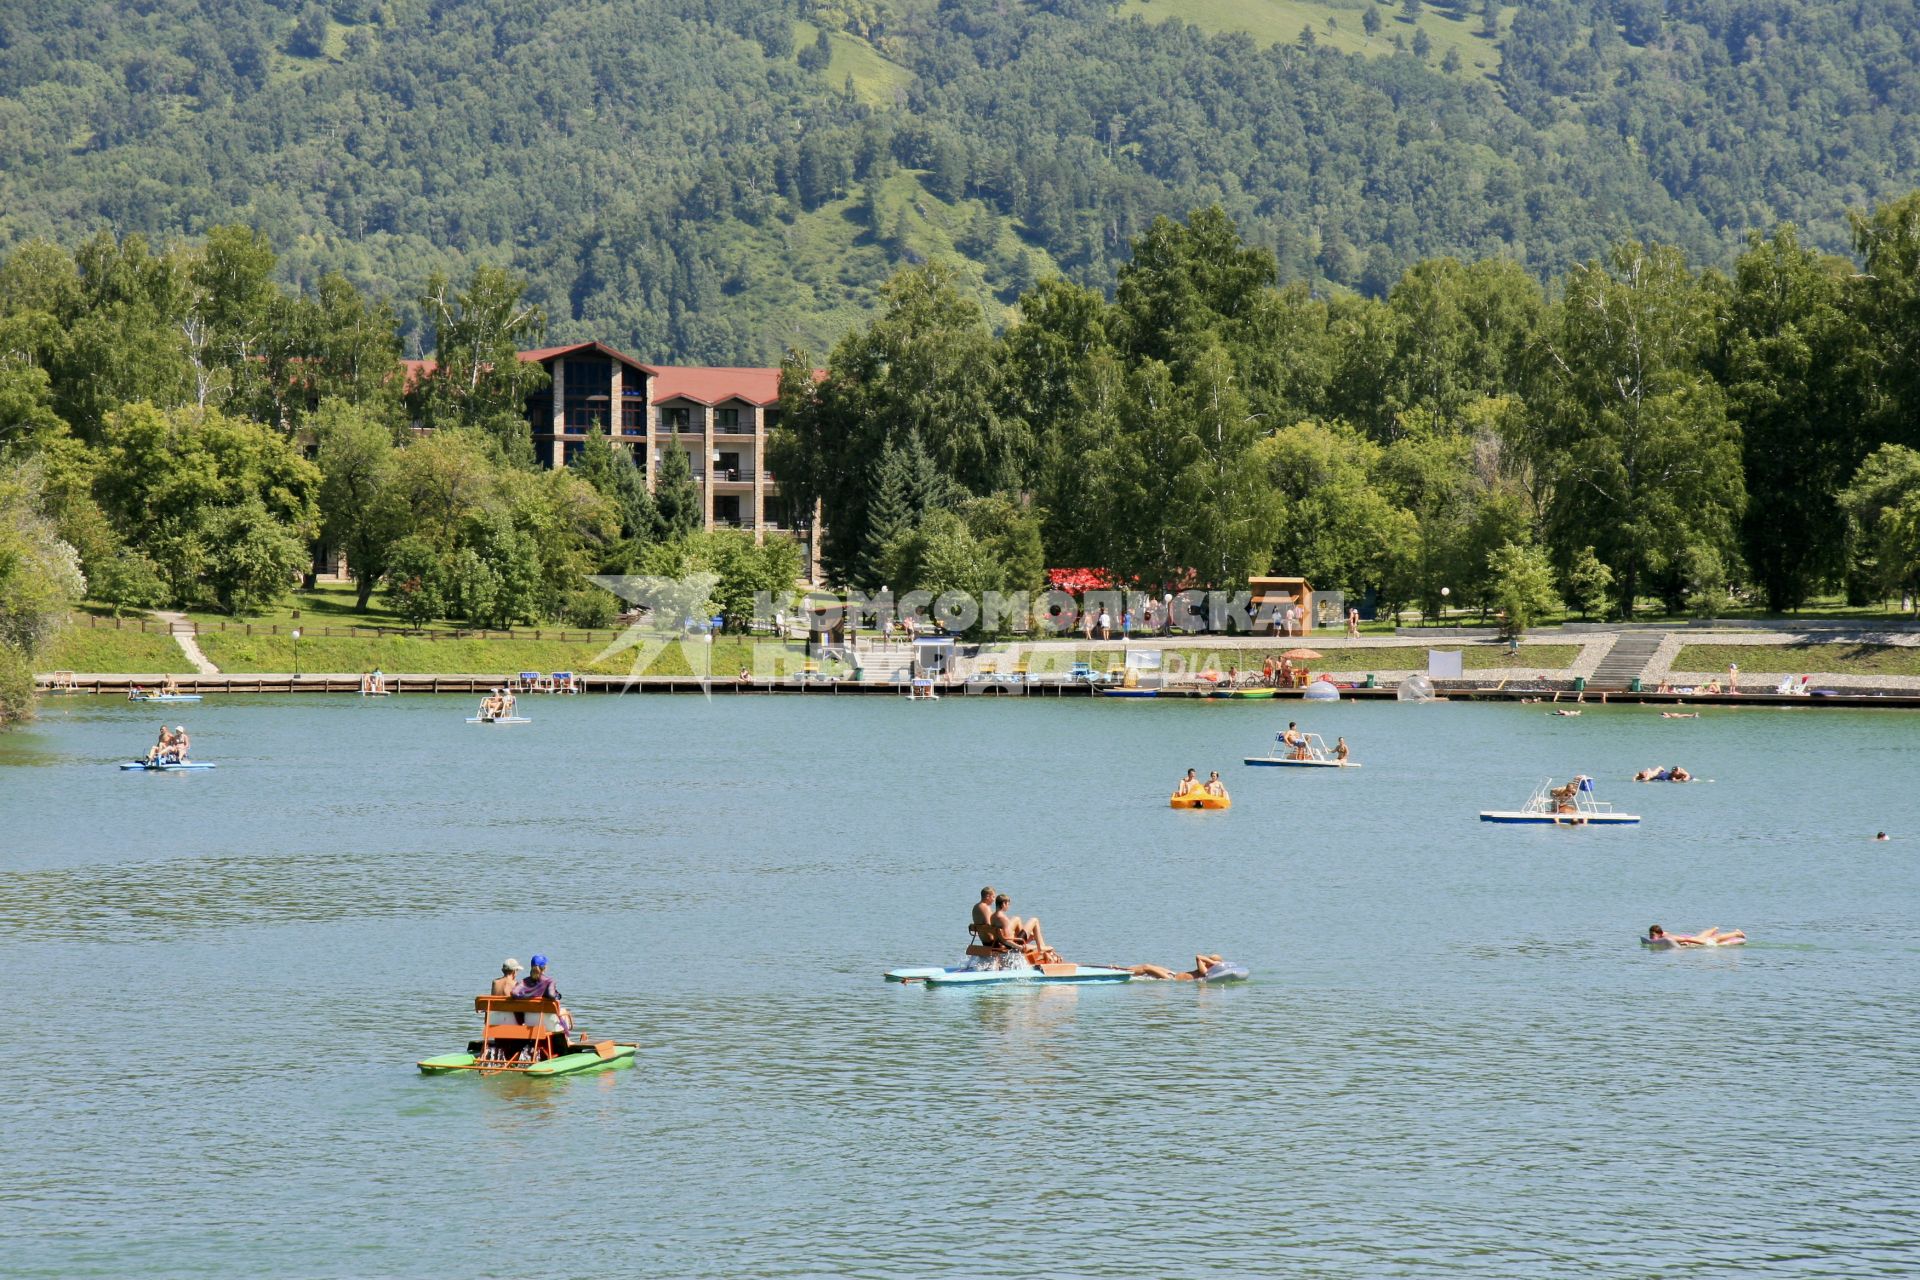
x=189 y=766
x=1030 y=975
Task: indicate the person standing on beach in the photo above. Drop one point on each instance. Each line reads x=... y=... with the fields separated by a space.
x=1126 y=623
x=1106 y=624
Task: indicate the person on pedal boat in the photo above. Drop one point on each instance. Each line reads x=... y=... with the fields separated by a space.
x=1188 y=784
x=156 y=754
x=1214 y=786
x=1340 y=750
x=537 y=985
x=1024 y=936
x=1294 y=741
x=1563 y=801
x=180 y=745
x=503 y=987
x=980 y=923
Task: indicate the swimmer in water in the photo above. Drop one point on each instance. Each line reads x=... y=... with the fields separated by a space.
x=1713 y=937
x=1881 y=836
x=1202 y=964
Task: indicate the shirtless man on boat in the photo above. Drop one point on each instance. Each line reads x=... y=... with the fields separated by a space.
x=1024 y=936
x=1294 y=741
x=980 y=924
x=161 y=752
x=1188 y=784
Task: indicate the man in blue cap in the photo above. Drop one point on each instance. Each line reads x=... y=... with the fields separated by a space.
x=538 y=986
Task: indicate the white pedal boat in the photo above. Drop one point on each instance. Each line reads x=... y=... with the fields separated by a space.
x=1542 y=810
x=1316 y=757
x=935 y=976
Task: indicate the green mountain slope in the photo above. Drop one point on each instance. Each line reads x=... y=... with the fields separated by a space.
x=706 y=180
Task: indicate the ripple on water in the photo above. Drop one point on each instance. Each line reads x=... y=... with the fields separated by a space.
x=1454 y=1058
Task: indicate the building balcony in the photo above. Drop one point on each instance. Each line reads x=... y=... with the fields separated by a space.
x=737 y=429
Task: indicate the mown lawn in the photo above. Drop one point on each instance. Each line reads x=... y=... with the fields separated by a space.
x=242 y=654
x=1812 y=659
x=103 y=651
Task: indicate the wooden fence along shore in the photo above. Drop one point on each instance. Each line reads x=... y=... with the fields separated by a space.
x=1457 y=691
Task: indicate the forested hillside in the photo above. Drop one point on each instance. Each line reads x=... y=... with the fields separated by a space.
x=716 y=179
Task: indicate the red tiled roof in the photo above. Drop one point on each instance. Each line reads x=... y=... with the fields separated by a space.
x=706 y=384
x=702 y=384
x=545 y=354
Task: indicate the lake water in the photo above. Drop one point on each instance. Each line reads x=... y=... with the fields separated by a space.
x=1453 y=1058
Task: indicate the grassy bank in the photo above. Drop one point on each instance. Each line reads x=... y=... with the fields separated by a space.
x=104 y=651
x=241 y=654
x=1813 y=659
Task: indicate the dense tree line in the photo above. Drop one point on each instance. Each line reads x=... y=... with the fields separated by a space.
x=685 y=179
x=1643 y=429
x=176 y=429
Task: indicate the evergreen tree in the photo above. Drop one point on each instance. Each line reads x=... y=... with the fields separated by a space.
x=675 y=495
x=891 y=516
x=1370 y=20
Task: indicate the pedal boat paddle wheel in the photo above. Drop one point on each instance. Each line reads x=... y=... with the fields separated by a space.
x=527 y=1043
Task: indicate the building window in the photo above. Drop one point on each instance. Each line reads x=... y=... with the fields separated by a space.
x=631 y=421
x=676 y=419
x=728 y=419
x=582 y=419
x=593 y=377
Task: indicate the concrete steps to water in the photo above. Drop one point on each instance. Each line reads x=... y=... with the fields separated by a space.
x=1627 y=660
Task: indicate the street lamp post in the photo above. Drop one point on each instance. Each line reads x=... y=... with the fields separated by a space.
x=1444 y=593
x=296 y=652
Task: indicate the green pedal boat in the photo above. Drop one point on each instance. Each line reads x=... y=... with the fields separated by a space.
x=573 y=1062
x=521 y=1037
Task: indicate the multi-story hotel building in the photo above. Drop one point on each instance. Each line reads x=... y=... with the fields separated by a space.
x=720 y=417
